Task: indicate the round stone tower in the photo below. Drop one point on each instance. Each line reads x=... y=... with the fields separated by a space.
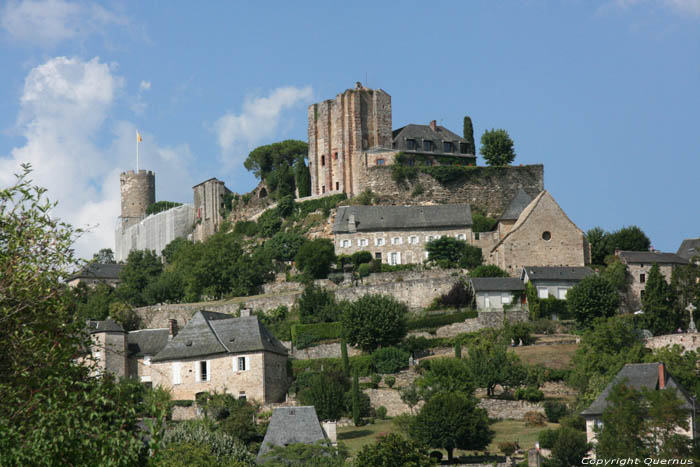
x=138 y=191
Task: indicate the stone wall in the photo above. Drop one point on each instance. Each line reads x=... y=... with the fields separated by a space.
x=509 y=410
x=330 y=350
x=417 y=294
x=689 y=342
x=488 y=188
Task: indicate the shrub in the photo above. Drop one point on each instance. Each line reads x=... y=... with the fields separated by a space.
x=305 y=335
x=556 y=374
x=361 y=257
x=374 y=321
x=518 y=332
x=269 y=223
x=529 y=394
x=183 y=403
x=547 y=438
x=161 y=206
x=365 y=406
x=508 y=447
x=460 y=295
x=555 y=410
x=375 y=380
x=543 y=326
x=199 y=433
x=389 y=381
x=534 y=419
x=487 y=270
x=390 y=360
x=315 y=257
x=381 y=412
x=364 y=269
x=574 y=421
x=317 y=305
x=326 y=392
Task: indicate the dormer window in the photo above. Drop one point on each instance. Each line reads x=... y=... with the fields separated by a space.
x=427 y=145
x=447 y=146
x=463 y=148
x=411 y=144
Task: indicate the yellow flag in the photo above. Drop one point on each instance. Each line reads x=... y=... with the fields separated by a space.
x=138 y=137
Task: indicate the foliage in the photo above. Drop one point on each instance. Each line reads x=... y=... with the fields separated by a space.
x=452 y=252
x=410 y=396
x=221 y=446
x=276 y=164
x=657 y=303
x=247 y=228
x=269 y=223
x=569 y=448
x=344 y=357
x=53 y=412
x=104 y=256
x=381 y=412
x=161 y=206
x=142 y=267
x=363 y=364
x=325 y=391
x=593 y=297
x=497 y=147
x=392 y=451
x=604 y=243
x=482 y=223
x=530 y=394
x=534 y=419
x=468 y=133
x=491 y=364
x=403 y=170
x=487 y=270
x=555 y=410
x=390 y=360
x=389 y=380
x=94 y=302
x=234 y=417
x=682 y=364
x=374 y=321
x=355 y=399
x=616 y=274
x=315 y=257
x=458 y=349
x=284 y=246
x=302 y=176
x=305 y=335
x=124 y=315
x=305 y=455
x=452 y=421
x=318 y=305
x=445 y=375
x=366 y=198
x=518 y=332
x=168 y=287
x=547 y=438
x=508 y=447
x=460 y=295
x=360 y=257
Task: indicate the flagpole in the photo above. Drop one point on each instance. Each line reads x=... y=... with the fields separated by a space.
x=137 y=151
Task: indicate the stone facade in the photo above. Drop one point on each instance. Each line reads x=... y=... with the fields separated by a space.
x=689 y=342
x=208 y=207
x=340 y=130
x=416 y=294
x=638 y=266
x=138 y=191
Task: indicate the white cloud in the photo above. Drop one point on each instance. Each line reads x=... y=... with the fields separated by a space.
x=47 y=22
x=259 y=120
x=144 y=86
x=682 y=7
x=63 y=109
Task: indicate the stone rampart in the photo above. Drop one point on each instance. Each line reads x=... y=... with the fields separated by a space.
x=417 y=294
x=689 y=342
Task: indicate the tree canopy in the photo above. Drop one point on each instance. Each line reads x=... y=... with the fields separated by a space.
x=593 y=297
x=604 y=244
x=315 y=257
x=469 y=134
x=374 y=321
x=281 y=166
x=659 y=316
x=497 y=147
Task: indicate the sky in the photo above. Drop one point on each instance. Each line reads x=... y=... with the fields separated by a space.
x=604 y=93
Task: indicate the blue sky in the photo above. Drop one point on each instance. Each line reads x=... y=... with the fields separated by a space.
x=605 y=94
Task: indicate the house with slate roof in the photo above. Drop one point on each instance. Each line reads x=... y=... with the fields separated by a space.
x=398 y=234
x=142 y=346
x=495 y=293
x=554 y=281
x=96 y=273
x=653 y=376
x=639 y=264
x=107 y=352
x=290 y=425
x=217 y=352
x=690 y=247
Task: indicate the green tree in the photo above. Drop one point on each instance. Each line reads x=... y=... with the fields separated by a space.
x=616 y=274
x=355 y=399
x=598 y=243
x=685 y=284
x=682 y=364
x=569 y=449
x=657 y=303
x=630 y=238
x=482 y=223
x=53 y=412
x=142 y=267
x=469 y=134
x=326 y=392
x=211 y=443
x=305 y=455
x=302 y=176
x=317 y=305
x=593 y=297
x=284 y=246
x=166 y=288
x=124 y=315
x=315 y=257
x=452 y=421
x=392 y=451
x=446 y=375
x=95 y=302
x=374 y=321
x=104 y=256
x=487 y=270
x=492 y=365
x=277 y=163
x=497 y=147
x=410 y=396
x=344 y=356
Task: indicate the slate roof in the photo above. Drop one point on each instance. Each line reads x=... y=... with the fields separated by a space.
x=496 y=284
x=516 y=206
x=689 y=247
x=290 y=425
x=422 y=133
x=368 y=218
x=651 y=257
x=637 y=376
x=147 y=341
x=553 y=273
x=210 y=333
x=108 y=325
x=98 y=271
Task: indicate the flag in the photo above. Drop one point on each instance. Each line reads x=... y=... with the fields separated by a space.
x=138 y=137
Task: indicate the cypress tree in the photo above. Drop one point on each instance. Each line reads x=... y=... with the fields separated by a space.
x=458 y=349
x=657 y=303
x=355 y=399
x=344 y=355
x=469 y=134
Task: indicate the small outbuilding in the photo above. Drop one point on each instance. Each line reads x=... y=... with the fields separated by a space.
x=495 y=293
x=554 y=281
x=290 y=425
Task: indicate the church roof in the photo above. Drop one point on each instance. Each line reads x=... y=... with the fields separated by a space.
x=516 y=206
x=369 y=218
x=98 y=271
x=289 y=425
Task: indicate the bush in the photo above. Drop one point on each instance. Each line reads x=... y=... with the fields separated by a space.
x=518 y=332
x=325 y=391
x=534 y=419
x=530 y=394
x=508 y=447
x=363 y=364
x=305 y=335
x=374 y=321
x=364 y=269
x=555 y=410
x=556 y=374
x=381 y=412
x=199 y=433
x=269 y=223
x=574 y=421
x=364 y=404
x=375 y=380
x=547 y=438
x=435 y=321
x=361 y=257
x=390 y=360
x=247 y=228
x=183 y=403
x=460 y=295
x=315 y=257
x=543 y=326
x=389 y=381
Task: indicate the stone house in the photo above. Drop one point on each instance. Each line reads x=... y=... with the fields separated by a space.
x=554 y=281
x=638 y=265
x=543 y=235
x=641 y=375
x=690 y=247
x=107 y=349
x=142 y=346
x=495 y=293
x=398 y=234
x=96 y=273
x=290 y=425
x=217 y=352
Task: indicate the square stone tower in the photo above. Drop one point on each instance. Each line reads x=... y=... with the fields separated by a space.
x=340 y=131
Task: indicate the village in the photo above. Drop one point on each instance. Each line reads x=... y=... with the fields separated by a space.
x=378 y=286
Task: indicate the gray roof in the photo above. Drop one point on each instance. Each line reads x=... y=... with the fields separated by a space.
x=552 y=273
x=422 y=133
x=147 y=341
x=651 y=257
x=516 y=206
x=98 y=271
x=108 y=325
x=504 y=284
x=290 y=425
x=368 y=218
x=689 y=247
x=637 y=376
x=210 y=333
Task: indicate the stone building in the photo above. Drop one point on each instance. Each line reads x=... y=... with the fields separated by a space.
x=690 y=248
x=142 y=346
x=432 y=144
x=542 y=235
x=639 y=264
x=554 y=281
x=290 y=425
x=138 y=191
x=96 y=273
x=208 y=207
x=216 y=352
x=107 y=352
x=398 y=234
x=495 y=293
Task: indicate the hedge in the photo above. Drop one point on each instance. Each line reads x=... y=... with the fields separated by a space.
x=305 y=335
x=183 y=403
x=435 y=321
x=363 y=364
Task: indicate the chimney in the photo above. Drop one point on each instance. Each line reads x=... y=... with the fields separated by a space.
x=662 y=376
x=329 y=427
x=433 y=125
x=172 y=328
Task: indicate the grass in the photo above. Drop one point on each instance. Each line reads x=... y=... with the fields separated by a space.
x=551 y=356
x=354 y=437
x=515 y=430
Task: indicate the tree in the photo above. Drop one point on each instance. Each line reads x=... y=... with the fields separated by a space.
x=53 y=412
x=593 y=297
x=598 y=243
x=469 y=134
x=374 y=321
x=317 y=305
x=344 y=357
x=487 y=270
x=446 y=375
x=682 y=364
x=410 y=396
x=392 y=451
x=315 y=257
x=452 y=252
x=326 y=392
x=570 y=448
x=685 y=284
x=657 y=303
x=278 y=164
x=497 y=147
x=355 y=399
x=630 y=238
x=169 y=287
x=492 y=365
x=305 y=455
x=302 y=176
x=215 y=446
x=142 y=267
x=104 y=256
x=452 y=421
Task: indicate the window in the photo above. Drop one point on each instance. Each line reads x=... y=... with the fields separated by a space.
x=337 y=186
x=461 y=236
x=427 y=145
x=487 y=301
x=463 y=148
x=243 y=363
x=447 y=146
x=177 y=379
x=506 y=298
x=380 y=161
x=396 y=241
x=413 y=240
x=394 y=258
x=561 y=293
x=345 y=243
x=362 y=242
x=542 y=292
x=378 y=255
x=429 y=238
x=147 y=360
x=411 y=144
x=546 y=236
x=242 y=396
x=379 y=241
x=642 y=278
x=335 y=156
x=202 y=371
x=323 y=160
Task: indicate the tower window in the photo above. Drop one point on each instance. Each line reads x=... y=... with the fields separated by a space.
x=335 y=156
x=642 y=278
x=323 y=160
x=323 y=188
x=337 y=185
x=546 y=236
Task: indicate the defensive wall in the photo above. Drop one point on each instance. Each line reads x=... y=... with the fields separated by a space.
x=689 y=341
